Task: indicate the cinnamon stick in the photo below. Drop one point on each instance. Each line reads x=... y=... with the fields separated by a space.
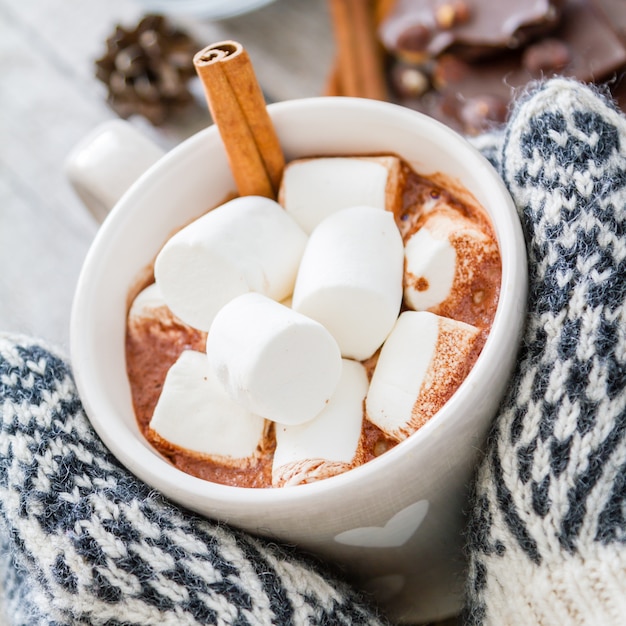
x=360 y=61
x=237 y=106
x=333 y=82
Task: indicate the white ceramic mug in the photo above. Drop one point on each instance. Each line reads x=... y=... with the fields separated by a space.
x=394 y=523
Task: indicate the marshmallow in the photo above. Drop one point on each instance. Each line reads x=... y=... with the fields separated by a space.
x=149 y=307
x=350 y=278
x=422 y=363
x=313 y=189
x=146 y=302
x=326 y=445
x=441 y=259
x=247 y=244
x=194 y=413
x=271 y=359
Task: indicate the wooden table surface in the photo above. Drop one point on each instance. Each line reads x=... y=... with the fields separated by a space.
x=50 y=99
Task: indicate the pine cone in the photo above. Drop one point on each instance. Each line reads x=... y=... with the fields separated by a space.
x=147 y=68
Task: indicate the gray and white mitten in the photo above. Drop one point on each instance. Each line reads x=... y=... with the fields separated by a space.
x=82 y=541
x=547 y=537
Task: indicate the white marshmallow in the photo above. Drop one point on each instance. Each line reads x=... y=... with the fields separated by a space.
x=193 y=412
x=423 y=361
x=146 y=302
x=429 y=269
x=350 y=278
x=327 y=444
x=247 y=244
x=313 y=189
x=271 y=359
x=150 y=306
x=441 y=257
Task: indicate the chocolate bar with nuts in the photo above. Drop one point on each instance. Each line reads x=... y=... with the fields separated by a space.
x=472 y=96
x=418 y=30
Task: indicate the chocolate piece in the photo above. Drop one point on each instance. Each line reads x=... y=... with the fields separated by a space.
x=584 y=47
x=614 y=13
x=469 y=28
x=597 y=51
x=413 y=42
x=472 y=96
x=546 y=57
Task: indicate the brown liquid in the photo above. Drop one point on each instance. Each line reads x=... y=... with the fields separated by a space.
x=153 y=345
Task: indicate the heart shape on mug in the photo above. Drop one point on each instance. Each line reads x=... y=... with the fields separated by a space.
x=396 y=532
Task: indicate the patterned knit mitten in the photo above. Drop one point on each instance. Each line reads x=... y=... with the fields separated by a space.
x=547 y=536
x=84 y=542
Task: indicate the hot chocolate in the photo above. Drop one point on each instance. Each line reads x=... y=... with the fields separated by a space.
x=457 y=287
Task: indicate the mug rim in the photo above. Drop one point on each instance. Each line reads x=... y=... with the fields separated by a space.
x=157 y=471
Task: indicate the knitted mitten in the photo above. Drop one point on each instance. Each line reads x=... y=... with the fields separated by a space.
x=82 y=541
x=548 y=526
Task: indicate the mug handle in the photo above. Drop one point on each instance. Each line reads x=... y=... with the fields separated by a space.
x=103 y=165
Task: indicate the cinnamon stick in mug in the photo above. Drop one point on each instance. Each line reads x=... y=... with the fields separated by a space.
x=238 y=109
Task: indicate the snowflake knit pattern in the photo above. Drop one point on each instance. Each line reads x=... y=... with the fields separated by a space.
x=547 y=529
x=82 y=541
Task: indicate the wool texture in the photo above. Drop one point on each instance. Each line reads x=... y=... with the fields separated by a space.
x=546 y=537
x=82 y=541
